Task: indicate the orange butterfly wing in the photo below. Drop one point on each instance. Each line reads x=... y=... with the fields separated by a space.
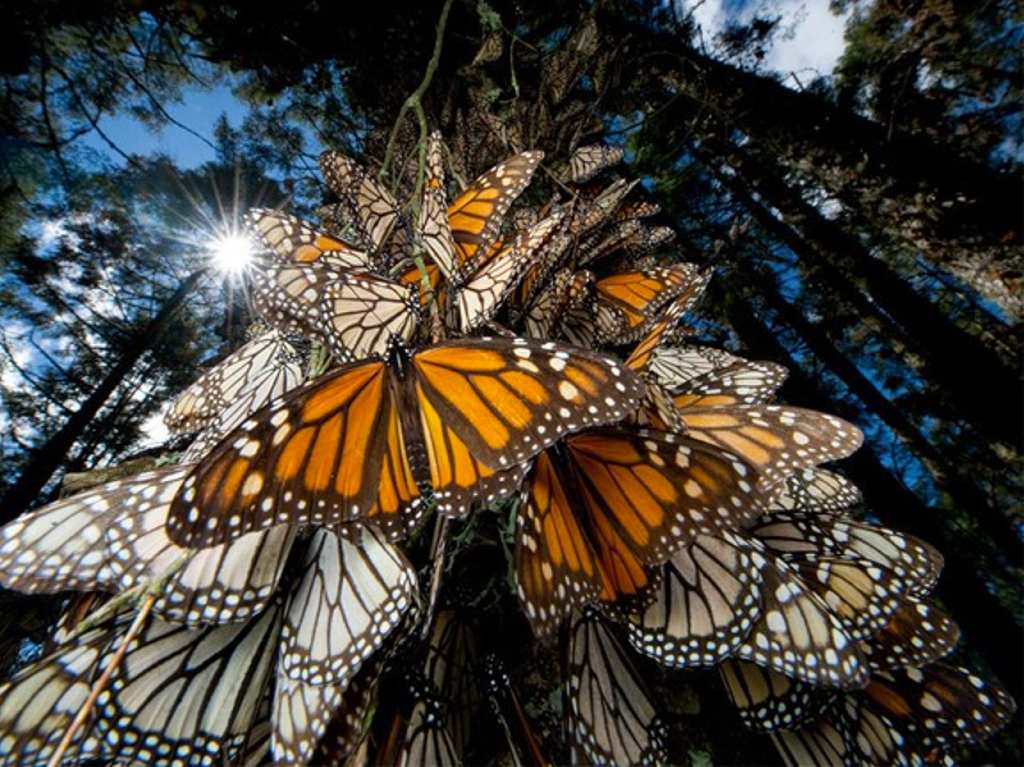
x=314 y=456
x=489 y=405
x=556 y=566
x=647 y=493
x=475 y=216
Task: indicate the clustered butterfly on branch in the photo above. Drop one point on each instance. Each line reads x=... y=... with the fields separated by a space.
x=663 y=507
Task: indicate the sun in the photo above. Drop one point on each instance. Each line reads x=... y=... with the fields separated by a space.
x=232 y=253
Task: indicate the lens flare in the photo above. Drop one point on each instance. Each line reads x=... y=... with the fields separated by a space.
x=232 y=253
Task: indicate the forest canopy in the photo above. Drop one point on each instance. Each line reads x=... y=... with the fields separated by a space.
x=221 y=223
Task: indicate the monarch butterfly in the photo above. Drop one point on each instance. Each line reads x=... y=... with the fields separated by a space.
x=350 y=596
x=292 y=240
x=279 y=374
x=260 y=370
x=798 y=635
x=777 y=440
x=640 y=358
x=453 y=669
x=640 y=495
x=566 y=293
x=814 y=489
x=705 y=604
x=587 y=161
x=355 y=314
x=917 y=634
x=375 y=206
x=610 y=715
x=673 y=366
x=347 y=727
x=768 y=701
x=743 y=382
x=178 y=694
x=639 y=295
x=460 y=236
x=597 y=211
x=631 y=237
x=327 y=675
x=113 y=537
x=633 y=209
x=795 y=535
x=553 y=254
x=361 y=442
x=800 y=615
x=907 y=715
x=474 y=218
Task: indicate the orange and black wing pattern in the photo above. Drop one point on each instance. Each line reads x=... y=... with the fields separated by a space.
x=488 y=405
x=292 y=240
x=476 y=215
x=556 y=567
x=647 y=493
x=775 y=439
x=314 y=456
x=656 y=333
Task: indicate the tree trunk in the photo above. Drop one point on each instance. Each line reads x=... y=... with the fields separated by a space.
x=983 y=386
x=989 y=201
x=48 y=457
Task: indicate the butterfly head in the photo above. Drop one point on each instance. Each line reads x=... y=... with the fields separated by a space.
x=397 y=354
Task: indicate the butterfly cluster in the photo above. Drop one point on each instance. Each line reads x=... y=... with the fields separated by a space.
x=663 y=509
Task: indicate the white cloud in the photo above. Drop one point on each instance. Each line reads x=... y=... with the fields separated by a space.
x=810 y=40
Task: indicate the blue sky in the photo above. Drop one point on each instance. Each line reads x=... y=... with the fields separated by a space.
x=199 y=110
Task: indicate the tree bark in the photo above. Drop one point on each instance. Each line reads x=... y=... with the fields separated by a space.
x=48 y=457
x=985 y=388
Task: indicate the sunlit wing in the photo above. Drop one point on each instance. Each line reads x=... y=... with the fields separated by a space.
x=363 y=314
x=112 y=538
x=659 y=329
x=777 y=440
x=656 y=491
x=280 y=375
x=377 y=209
x=264 y=364
x=675 y=365
x=489 y=405
x=351 y=595
x=482 y=295
x=435 y=230
x=177 y=691
x=556 y=566
x=293 y=240
x=742 y=383
x=813 y=490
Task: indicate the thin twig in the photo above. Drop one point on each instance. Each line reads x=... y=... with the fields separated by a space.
x=437 y=551
x=151 y=588
x=414 y=100
x=103 y=681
